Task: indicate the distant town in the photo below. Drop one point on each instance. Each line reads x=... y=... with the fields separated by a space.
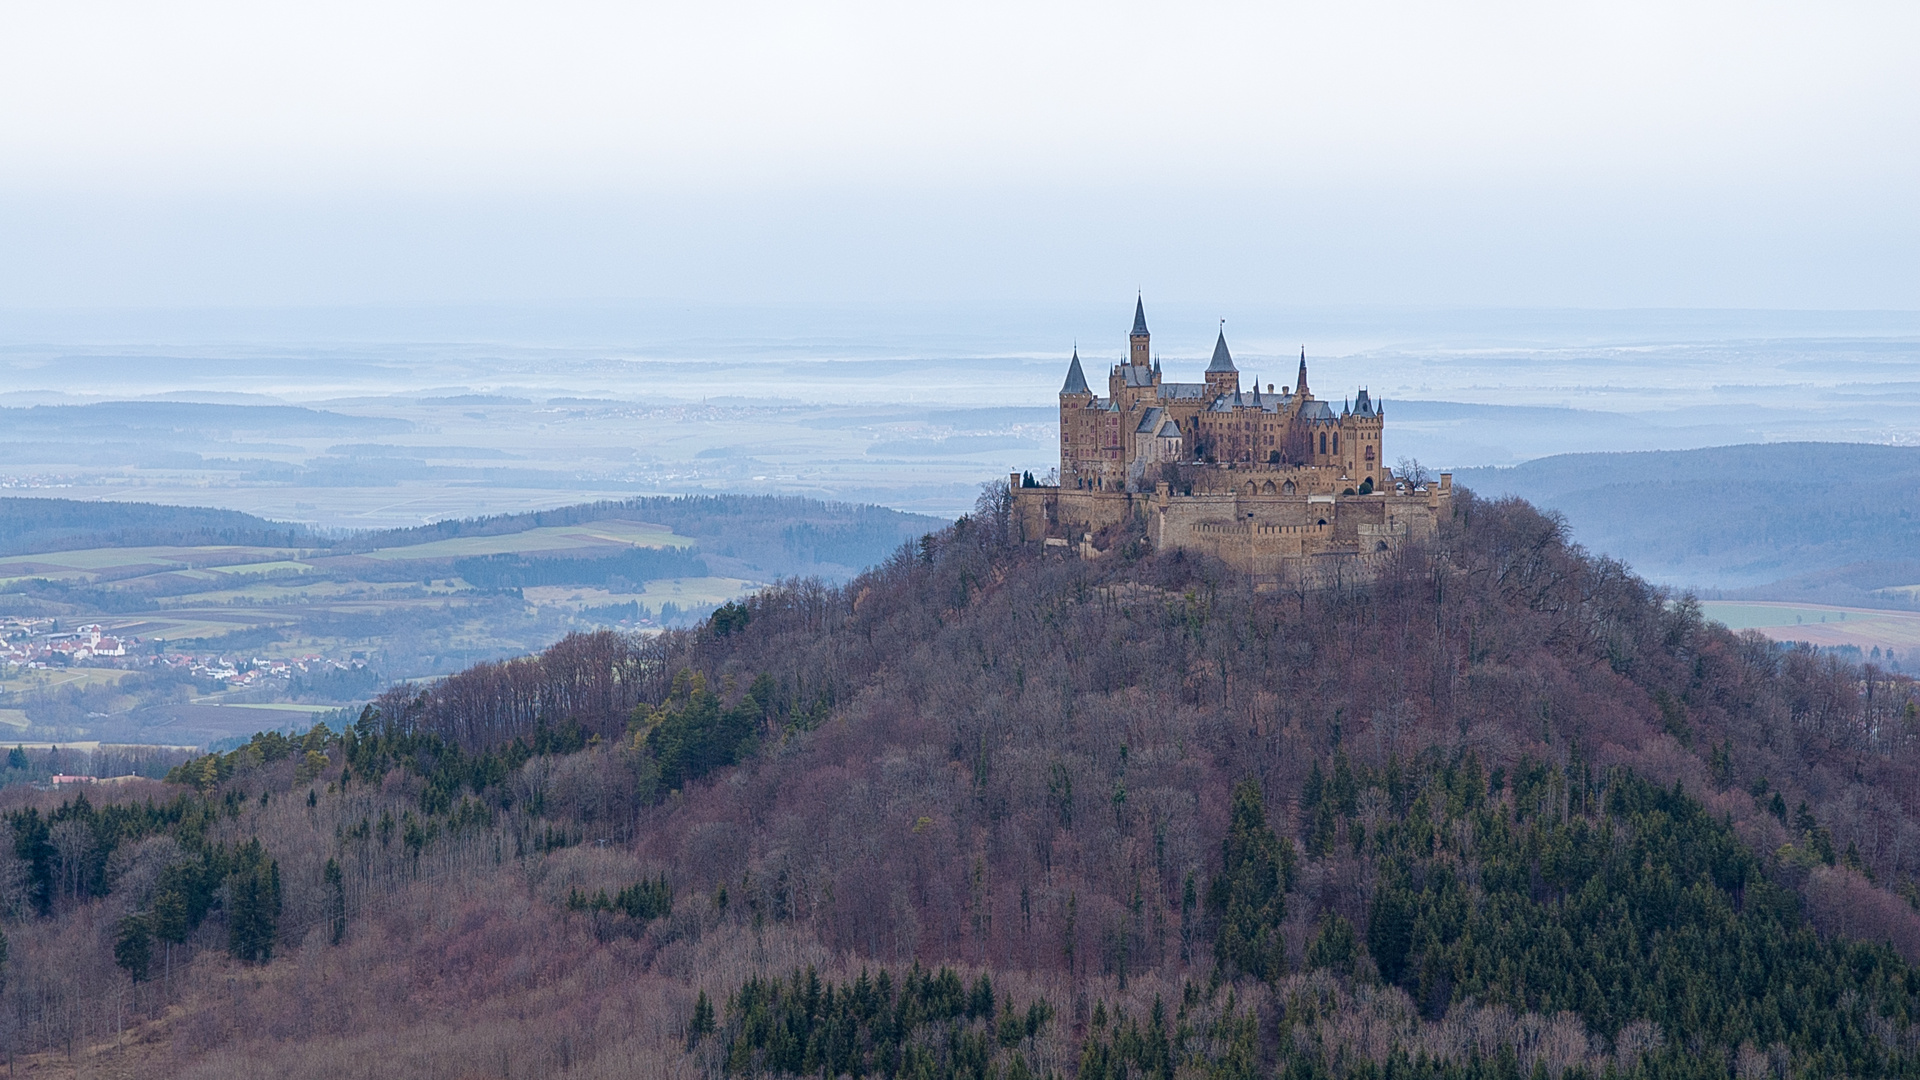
x=40 y=643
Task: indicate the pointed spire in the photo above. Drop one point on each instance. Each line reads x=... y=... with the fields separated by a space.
x=1076 y=379
x=1256 y=390
x=1300 y=383
x=1139 y=316
x=1222 y=359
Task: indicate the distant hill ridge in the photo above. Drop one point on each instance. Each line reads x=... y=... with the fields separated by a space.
x=30 y=526
x=770 y=535
x=123 y=416
x=1733 y=517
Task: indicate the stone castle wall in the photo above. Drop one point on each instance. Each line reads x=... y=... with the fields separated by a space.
x=1267 y=536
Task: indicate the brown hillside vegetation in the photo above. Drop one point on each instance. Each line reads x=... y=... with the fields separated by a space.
x=1499 y=811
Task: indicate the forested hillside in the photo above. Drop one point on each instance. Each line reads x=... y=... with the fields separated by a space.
x=39 y=525
x=772 y=535
x=998 y=813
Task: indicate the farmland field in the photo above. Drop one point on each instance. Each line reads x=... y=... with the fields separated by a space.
x=601 y=536
x=1821 y=624
x=58 y=678
x=95 y=562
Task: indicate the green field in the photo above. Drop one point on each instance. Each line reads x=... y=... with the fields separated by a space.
x=600 y=536
x=1820 y=624
x=94 y=562
x=1753 y=615
x=43 y=679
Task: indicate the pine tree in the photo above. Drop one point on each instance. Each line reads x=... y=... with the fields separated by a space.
x=168 y=921
x=1390 y=929
x=336 y=901
x=1249 y=897
x=253 y=914
x=1333 y=948
x=133 y=947
x=701 y=1025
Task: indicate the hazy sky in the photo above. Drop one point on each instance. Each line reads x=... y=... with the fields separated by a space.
x=1584 y=154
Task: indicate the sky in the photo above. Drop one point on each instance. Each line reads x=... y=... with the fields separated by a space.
x=1591 y=155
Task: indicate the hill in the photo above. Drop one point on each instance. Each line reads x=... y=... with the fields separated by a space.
x=1737 y=517
x=770 y=536
x=993 y=811
x=34 y=526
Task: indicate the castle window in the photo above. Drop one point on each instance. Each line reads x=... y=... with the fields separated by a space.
x=1323 y=442
x=1336 y=442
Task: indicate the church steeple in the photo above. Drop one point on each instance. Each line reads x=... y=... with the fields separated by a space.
x=1076 y=379
x=1300 y=384
x=1139 y=351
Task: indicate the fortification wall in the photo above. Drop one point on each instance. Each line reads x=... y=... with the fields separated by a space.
x=1067 y=513
x=1268 y=536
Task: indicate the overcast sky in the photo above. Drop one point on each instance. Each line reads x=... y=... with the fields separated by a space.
x=1568 y=154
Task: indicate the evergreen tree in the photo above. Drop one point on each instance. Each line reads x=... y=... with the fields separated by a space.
x=1334 y=946
x=701 y=1025
x=1249 y=897
x=253 y=898
x=336 y=901
x=133 y=947
x=167 y=920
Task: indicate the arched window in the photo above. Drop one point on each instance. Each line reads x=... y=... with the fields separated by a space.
x=1287 y=488
x=1336 y=442
x=1323 y=442
x=1369 y=453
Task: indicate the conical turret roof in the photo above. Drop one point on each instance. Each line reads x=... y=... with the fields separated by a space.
x=1222 y=359
x=1139 y=317
x=1076 y=379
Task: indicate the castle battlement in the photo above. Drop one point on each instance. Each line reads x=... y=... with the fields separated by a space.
x=1258 y=478
x=1215 y=528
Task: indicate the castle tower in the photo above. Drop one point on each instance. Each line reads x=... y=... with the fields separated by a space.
x=1367 y=453
x=1138 y=353
x=1300 y=382
x=1076 y=384
x=1222 y=377
x=1077 y=431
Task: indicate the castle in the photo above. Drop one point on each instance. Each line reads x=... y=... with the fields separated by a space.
x=1276 y=483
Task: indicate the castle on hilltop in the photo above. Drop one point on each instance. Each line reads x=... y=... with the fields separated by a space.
x=1272 y=482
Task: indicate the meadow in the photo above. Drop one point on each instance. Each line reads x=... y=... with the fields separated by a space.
x=1823 y=625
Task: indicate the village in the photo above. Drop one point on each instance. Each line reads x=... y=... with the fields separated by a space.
x=40 y=644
